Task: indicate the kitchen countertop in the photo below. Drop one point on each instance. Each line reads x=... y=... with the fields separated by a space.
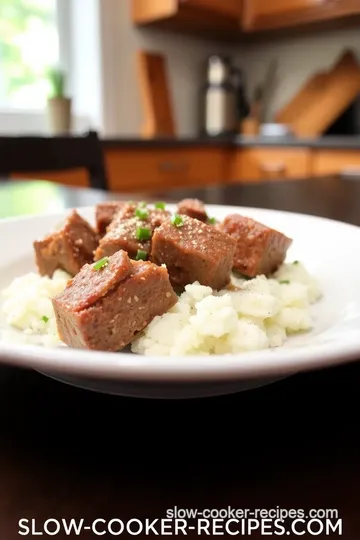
x=168 y=142
x=242 y=141
x=338 y=142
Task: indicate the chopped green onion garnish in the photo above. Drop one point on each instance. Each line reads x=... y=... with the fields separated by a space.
x=142 y=213
x=160 y=205
x=296 y=262
x=45 y=318
x=143 y=233
x=141 y=255
x=177 y=220
x=212 y=220
x=101 y=263
x=142 y=204
x=284 y=282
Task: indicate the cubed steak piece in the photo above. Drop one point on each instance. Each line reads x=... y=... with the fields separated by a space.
x=131 y=230
x=67 y=249
x=193 y=251
x=108 y=302
x=105 y=213
x=259 y=249
x=193 y=208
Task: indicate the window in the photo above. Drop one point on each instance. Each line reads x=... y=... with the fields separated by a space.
x=29 y=44
x=36 y=35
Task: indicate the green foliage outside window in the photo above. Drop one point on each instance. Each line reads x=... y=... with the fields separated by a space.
x=28 y=44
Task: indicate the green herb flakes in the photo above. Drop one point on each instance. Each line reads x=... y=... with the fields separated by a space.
x=101 y=263
x=177 y=220
x=160 y=205
x=141 y=255
x=143 y=233
x=141 y=213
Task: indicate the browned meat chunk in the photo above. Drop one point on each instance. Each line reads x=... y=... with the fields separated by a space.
x=259 y=249
x=193 y=251
x=131 y=230
x=127 y=211
x=104 y=308
x=67 y=249
x=105 y=213
x=192 y=208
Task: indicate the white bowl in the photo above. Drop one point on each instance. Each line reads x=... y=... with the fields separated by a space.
x=326 y=247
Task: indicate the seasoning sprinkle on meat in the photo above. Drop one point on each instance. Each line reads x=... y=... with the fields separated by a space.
x=259 y=249
x=190 y=256
x=193 y=208
x=105 y=213
x=96 y=310
x=67 y=249
x=131 y=233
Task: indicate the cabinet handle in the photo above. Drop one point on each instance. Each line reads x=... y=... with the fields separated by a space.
x=169 y=166
x=350 y=172
x=273 y=168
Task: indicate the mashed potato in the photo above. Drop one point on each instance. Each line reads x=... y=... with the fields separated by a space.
x=260 y=314
x=28 y=305
x=251 y=315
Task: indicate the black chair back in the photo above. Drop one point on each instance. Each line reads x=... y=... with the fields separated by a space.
x=28 y=154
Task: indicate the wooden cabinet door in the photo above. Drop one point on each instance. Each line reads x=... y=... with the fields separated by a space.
x=147 y=169
x=149 y=11
x=266 y=164
x=219 y=16
x=339 y=162
x=189 y=13
x=224 y=8
x=265 y=14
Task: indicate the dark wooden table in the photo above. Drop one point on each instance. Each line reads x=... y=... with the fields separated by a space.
x=70 y=453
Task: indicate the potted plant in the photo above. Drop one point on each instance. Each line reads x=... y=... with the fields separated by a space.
x=58 y=104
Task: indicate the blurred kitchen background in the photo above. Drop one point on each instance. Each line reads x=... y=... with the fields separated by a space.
x=186 y=92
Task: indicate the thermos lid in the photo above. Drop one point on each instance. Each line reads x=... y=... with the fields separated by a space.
x=218 y=58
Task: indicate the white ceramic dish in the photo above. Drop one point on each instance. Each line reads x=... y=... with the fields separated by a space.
x=327 y=248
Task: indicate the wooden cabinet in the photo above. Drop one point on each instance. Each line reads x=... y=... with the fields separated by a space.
x=343 y=162
x=259 y=164
x=266 y=15
x=213 y=15
x=232 y=18
x=230 y=9
x=132 y=169
x=135 y=169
